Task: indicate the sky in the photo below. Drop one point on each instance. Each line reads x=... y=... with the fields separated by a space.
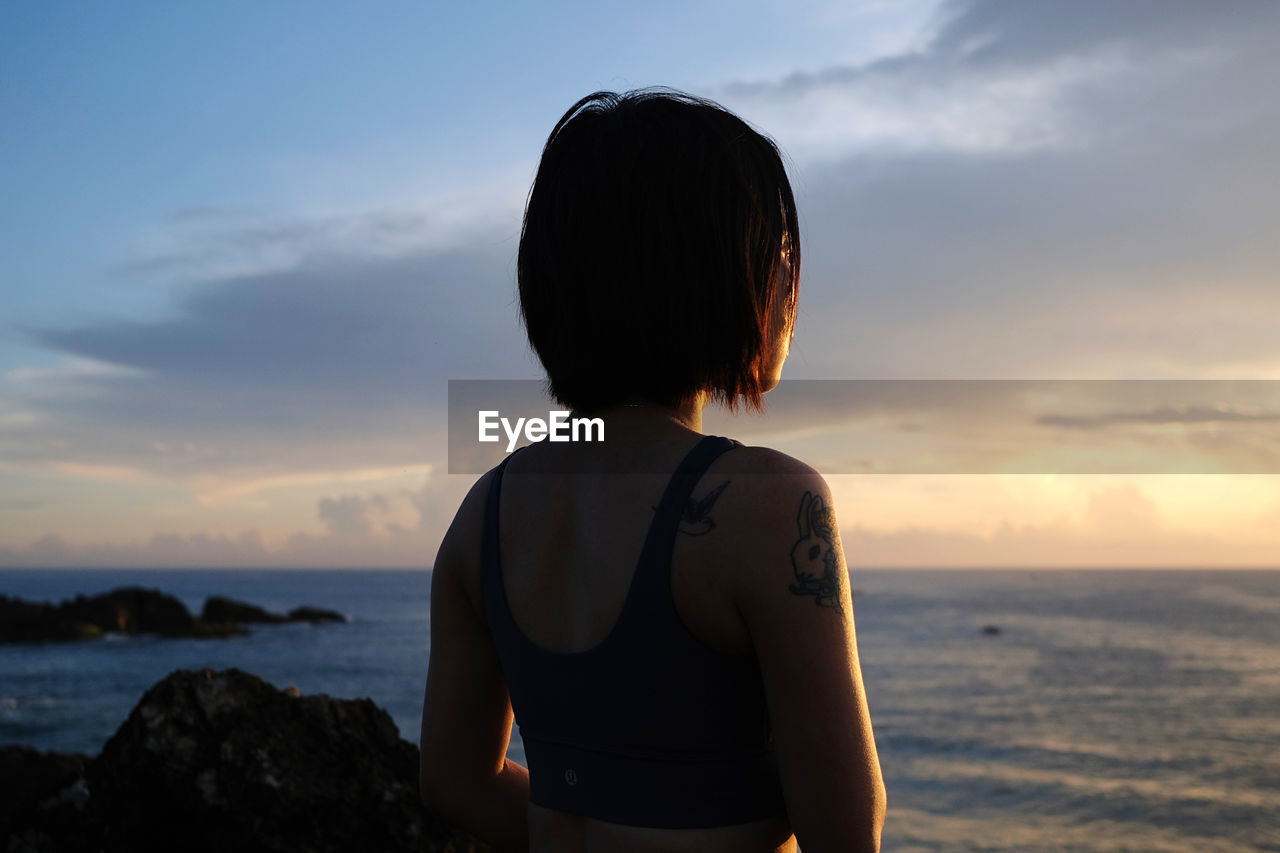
x=244 y=247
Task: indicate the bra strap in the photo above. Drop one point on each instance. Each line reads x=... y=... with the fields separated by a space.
x=490 y=569
x=653 y=573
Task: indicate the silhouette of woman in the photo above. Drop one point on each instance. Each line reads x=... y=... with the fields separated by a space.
x=666 y=614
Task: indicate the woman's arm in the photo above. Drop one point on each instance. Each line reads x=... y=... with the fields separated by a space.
x=466 y=713
x=794 y=596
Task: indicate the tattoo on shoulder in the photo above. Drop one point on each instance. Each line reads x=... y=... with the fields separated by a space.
x=697 y=519
x=813 y=557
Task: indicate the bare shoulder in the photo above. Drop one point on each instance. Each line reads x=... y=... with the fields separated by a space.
x=767 y=481
x=771 y=489
x=784 y=534
x=750 y=459
x=459 y=553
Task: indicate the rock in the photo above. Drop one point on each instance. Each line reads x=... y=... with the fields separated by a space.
x=42 y=797
x=133 y=610
x=213 y=630
x=28 y=777
x=315 y=614
x=28 y=621
x=216 y=761
x=219 y=609
x=129 y=610
x=991 y=630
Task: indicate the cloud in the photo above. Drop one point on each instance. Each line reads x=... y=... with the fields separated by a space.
x=213 y=488
x=921 y=260
x=163 y=550
x=75 y=376
x=1020 y=426
x=1160 y=415
x=340 y=357
x=379 y=529
x=351 y=514
x=109 y=473
x=1118 y=527
x=1038 y=190
x=891 y=106
x=333 y=322
x=1123 y=511
x=1000 y=78
x=1109 y=527
x=1016 y=32
x=1138 y=247
x=209 y=244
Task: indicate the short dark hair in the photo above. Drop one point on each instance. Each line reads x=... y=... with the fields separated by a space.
x=651 y=258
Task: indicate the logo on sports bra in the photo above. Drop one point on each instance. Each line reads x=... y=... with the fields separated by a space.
x=571 y=776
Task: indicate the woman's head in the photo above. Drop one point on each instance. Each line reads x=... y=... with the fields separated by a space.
x=660 y=253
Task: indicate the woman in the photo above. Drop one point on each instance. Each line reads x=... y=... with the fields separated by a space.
x=678 y=647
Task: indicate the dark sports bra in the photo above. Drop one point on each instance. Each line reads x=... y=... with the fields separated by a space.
x=651 y=727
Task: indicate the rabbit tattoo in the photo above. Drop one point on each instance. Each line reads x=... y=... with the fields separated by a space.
x=813 y=557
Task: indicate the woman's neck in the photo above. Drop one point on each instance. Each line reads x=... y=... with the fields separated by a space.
x=636 y=414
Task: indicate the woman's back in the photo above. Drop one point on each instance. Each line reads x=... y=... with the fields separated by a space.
x=572 y=530
x=756 y=576
x=622 y=642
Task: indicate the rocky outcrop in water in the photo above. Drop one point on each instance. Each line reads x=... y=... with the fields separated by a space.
x=315 y=614
x=218 y=761
x=129 y=610
x=134 y=610
x=219 y=609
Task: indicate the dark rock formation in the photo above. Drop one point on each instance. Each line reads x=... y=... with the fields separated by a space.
x=130 y=610
x=315 y=614
x=217 y=761
x=41 y=789
x=29 y=621
x=219 y=609
x=991 y=630
x=134 y=610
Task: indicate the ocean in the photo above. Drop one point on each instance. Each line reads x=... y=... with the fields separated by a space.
x=1107 y=711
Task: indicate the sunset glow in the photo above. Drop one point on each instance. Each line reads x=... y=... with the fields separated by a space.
x=237 y=286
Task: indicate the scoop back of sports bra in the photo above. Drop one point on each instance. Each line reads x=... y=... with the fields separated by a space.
x=651 y=727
